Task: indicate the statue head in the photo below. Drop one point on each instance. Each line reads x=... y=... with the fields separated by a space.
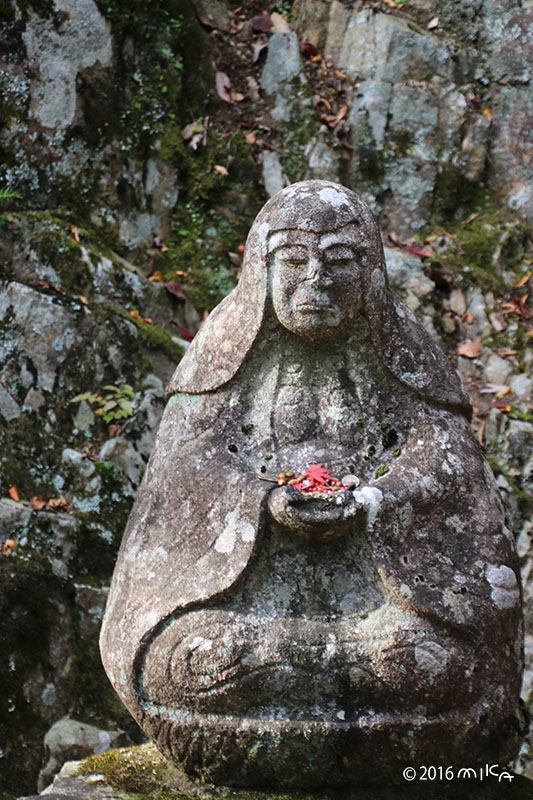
x=314 y=256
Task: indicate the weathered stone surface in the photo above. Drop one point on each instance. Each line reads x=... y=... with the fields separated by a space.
x=283 y=75
x=252 y=629
x=57 y=58
x=387 y=49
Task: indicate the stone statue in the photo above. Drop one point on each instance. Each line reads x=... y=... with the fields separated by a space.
x=266 y=636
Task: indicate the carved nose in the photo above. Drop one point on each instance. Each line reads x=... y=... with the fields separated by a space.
x=316 y=273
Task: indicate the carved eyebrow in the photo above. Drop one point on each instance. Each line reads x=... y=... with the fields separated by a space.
x=338 y=252
x=284 y=239
x=344 y=237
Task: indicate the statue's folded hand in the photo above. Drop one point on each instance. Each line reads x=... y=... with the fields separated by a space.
x=314 y=514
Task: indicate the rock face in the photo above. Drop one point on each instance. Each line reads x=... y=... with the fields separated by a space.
x=435 y=110
x=69 y=740
x=349 y=631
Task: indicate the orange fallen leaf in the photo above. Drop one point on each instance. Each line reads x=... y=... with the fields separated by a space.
x=14 y=495
x=38 y=503
x=8 y=546
x=488 y=113
x=339 y=115
x=83 y=299
x=136 y=315
x=469 y=349
x=157 y=277
x=181 y=274
x=339 y=74
x=75 y=233
x=468 y=317
x=503 y=353
x=523 y=280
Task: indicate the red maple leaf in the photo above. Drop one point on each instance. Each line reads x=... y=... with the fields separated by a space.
x=318 y=474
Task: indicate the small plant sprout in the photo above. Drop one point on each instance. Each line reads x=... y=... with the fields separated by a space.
x=113 y=404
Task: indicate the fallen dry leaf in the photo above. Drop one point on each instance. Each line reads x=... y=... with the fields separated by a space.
x=136 y=315
x=13 y=493
x=496 y=388
x=75 y=233
x=8 y=546
x=468 y=318
x=416 y=250
x=433 y=23
x=196 y=140
x=223 y=86
x=469 y=349
x=191 y=129
x=262 y=22
x=156 y=277
x=504 y=353
x=159 y=244
x=498 y=322
x=183 y=332
x=224 y=90
x=339 y=115
x=83 y=299
x=503 y=407
x=488 y=113
x=324 y=102
x=523 y=280
x=318 y=59
x=220 y=170
x=38 y=503
x=250 y=137
x=235 y=259
x=257 y=49
x=175 y=289
x=308 y=50
x=51 y=503
x=339 y=74
x=181 y=274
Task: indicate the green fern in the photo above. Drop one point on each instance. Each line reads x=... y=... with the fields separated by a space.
x=8 y=194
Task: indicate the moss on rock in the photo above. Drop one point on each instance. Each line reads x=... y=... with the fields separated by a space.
x=143 y=774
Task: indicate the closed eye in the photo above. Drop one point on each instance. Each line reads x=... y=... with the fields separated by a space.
x=338 y=256
x=292 y=255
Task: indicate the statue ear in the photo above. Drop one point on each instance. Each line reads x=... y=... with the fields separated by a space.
x=222 y=343
x=405 y=346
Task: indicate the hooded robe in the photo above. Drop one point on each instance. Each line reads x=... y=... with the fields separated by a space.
x=404 y=645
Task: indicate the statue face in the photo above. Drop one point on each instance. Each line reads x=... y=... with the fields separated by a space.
x=316 y=281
